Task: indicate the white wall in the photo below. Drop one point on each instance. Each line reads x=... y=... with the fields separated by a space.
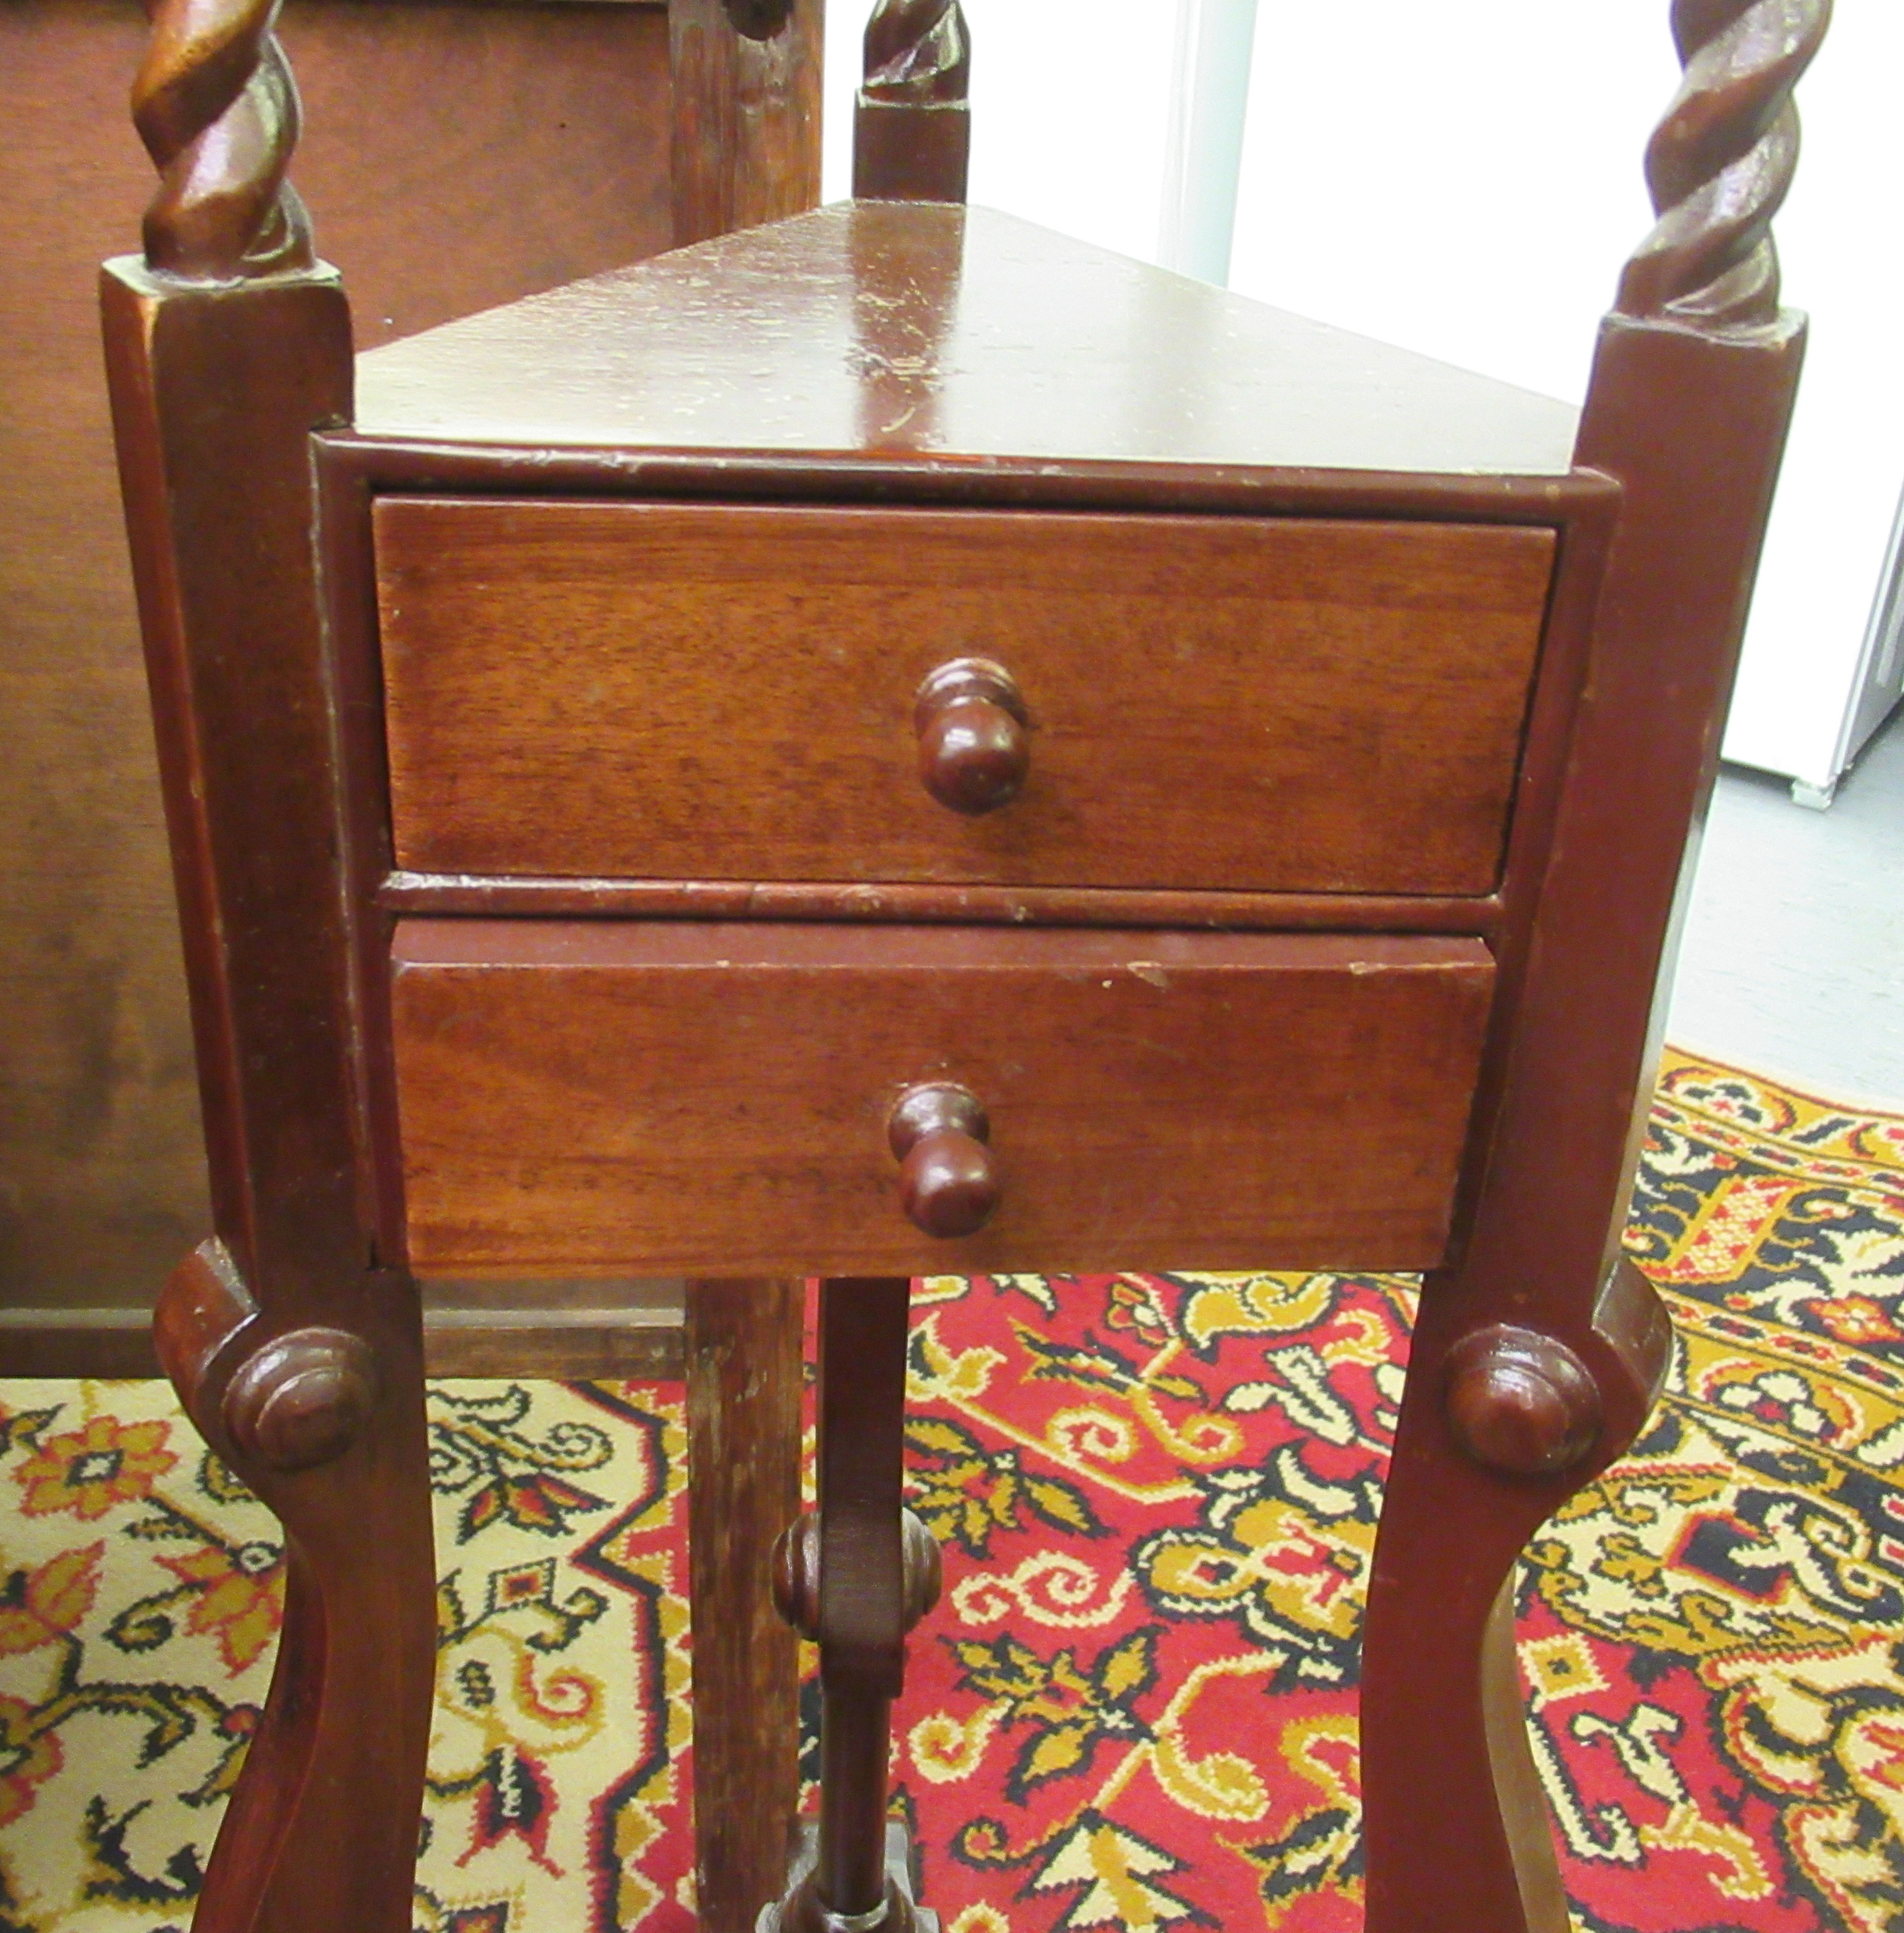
x=1070 y=101
x=1466 y=180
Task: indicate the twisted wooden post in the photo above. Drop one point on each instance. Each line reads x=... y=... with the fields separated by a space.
x=1720 y=163
x=917 y=50
x=1537 y=1356
x=218 y=110
x=227 y=345
x=912 y=128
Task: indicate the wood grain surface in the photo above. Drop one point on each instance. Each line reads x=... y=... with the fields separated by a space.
x=905 y=327
x=703 y=691
x=747 y=117
x=648 y=1098
x=563 y=109
x=745 y=1382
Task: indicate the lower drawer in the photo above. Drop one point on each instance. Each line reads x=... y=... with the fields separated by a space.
x=652 y=1098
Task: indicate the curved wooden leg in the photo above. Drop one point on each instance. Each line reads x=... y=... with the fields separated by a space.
x=1499 y=1426
x=744 y=1370
x=857 y=1577
x=325 y=1423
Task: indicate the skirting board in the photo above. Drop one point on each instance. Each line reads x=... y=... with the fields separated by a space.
x=581 y=1332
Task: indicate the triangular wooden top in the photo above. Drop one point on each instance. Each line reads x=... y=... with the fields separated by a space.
x=897 y=329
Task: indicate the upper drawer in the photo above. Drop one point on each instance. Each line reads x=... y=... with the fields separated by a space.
x=665 y=691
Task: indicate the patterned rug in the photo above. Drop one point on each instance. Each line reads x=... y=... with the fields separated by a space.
x=1134 y=1707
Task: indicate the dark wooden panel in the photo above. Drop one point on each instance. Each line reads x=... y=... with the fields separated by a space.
x=463 y=154
x=704 y=692
x=744 y=1380
x=712 y=1098
x=430 y=130
x=567 y=1345
x=747 y=117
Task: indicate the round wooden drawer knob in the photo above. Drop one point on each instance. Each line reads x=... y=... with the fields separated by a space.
x=973 y=755
x=1521 y=1402
x=947 y=1180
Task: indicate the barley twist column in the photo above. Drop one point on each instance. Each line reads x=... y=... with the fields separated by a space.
x=1721 y=162
x=218 y=110
x=912 y=131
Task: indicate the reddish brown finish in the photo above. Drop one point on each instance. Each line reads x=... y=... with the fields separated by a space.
x=216 y=105
x=949 y=1182
x=611 y=1331
x=918 y=331
x=863 y=1605
x=912 y=136
x=747 y=87
x=302 y=1400
x=450 y=894
x=217 y=495
x=322 y=1417
x=219 y=561
x=1286 y=704
x=359 y=1635
x=1692 y=425
x=645 y=1097
x=971 y=717
x=796 y=1572
x=914 y=369
x=1720 y=163
x=743 y=1388
x=1520 y=1403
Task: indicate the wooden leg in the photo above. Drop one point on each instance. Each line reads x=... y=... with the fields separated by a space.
x=744 y=1371
x=325 y=1423
x=1499 y=1427
x=857 y=1577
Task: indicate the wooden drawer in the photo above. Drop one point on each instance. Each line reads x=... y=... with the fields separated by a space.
x=653 y=1099
x=619 y=690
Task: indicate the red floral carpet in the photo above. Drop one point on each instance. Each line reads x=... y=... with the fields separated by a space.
x=1135 y=1706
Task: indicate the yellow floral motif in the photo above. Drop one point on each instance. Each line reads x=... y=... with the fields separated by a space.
x=53 y=1598
x=1848 y=1866
x=239 y=1596
x=1317 y=1852
x=92 y=1471
x=1276 y=1557
x=943 y=1750
x=1122 y=1875
x=29 y=1756
x=935 y=1374
x=1221 y=1784
x=1230 y=1305
x=1325 y=1750
x=1741 y=1873
x=1806 y=1405
x=1360 y=1336
x=1205 y=1440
